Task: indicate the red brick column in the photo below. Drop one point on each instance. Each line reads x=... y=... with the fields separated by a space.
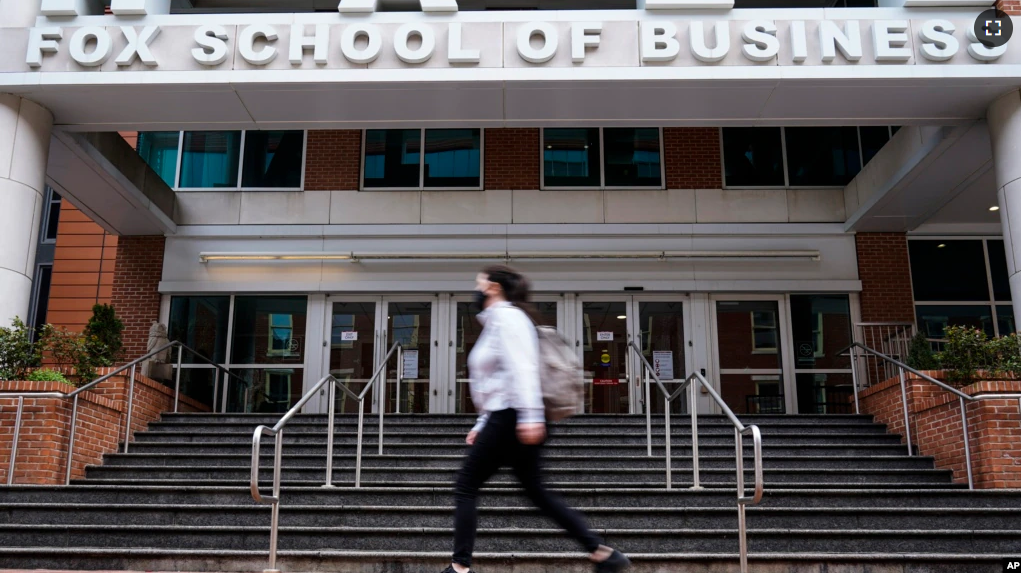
x=333 y=160
x=692 y=156
x=512 y=158
x=885 y=274
x=136 y=296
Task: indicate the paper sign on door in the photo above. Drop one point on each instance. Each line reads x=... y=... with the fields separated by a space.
x=411 y=364
x=604 y=336
x=663 y=364
x=348 y=336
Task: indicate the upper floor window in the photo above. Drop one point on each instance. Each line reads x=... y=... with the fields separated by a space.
x=798 y=156
x=595 y=158
x=51 y=216
x=422 y=158
x=226 y=160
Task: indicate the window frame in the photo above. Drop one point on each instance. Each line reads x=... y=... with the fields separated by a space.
x=602 y=164
x=774 y=328
x=240 y=166
x=270 y=351
x=992 y=304
x=786 y=173
x=421 y=162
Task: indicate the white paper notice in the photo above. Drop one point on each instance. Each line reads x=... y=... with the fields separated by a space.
x=663 y=364
x=604 y=336
x=411 y=364
x=348 y=336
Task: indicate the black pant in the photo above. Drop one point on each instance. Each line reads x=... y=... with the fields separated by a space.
x=495 y=447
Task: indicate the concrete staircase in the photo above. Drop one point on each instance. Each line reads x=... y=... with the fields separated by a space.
x=839 y=491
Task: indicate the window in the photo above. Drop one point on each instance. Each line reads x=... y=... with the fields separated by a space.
x=602 y=158
x=159 y=149
x=975 y=294
x=281 y=331
x=41 y=296
x=51 y=217
x=798 y=156
x=394 y=159
x=764 y=332
x=226 y=160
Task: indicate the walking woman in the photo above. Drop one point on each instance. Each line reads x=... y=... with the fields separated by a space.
x=504 y=370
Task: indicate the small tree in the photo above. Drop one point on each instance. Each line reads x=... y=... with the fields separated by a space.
x=17 y=351
x=81 y=352
x=920 y=355
x=965 y=352
x=1005 y=356
x=103 y=334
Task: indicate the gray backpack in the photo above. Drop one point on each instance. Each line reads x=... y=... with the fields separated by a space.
x=560 y=375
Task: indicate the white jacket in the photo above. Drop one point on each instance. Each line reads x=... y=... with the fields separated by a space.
x=504 y=366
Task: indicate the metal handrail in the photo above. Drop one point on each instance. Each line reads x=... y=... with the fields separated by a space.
x=963 y=398
x=181 y=347
x=739 y=432
x=277 y=431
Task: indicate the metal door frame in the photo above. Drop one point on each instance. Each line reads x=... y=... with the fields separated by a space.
x=634 y=312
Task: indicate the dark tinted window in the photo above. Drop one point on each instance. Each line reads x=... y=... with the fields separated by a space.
x=631 y=157
x=872 y=140
x=948 y=270
x=1005 y=318
x=933 y=319
x=998 y=269
x=453 y=157
x=823 y=156
x=753 y=157
x=42 y=296
x=269 y=330
x=821 y=326
x=273 y=159
x=200 y=322
x=210 y=159
x=159 y=150
x=51 y=217
x=392 y=158
x=571 y=157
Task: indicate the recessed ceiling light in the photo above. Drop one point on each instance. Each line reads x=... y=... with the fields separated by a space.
x=994 y=208
x=622 y=317
x=941 y=245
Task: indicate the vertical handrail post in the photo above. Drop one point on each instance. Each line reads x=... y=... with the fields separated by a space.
x=648 y=409
x=358 y=446
x=669 y=457
x=177 y=378
x=332 y=397
x=14 y=444
x=854 y=378
x=742 y=526
x=226 y=389
x=967 y=442
x=397 y=387
x=216 y=388
x=693 y=409
x=904 y=400
x=70 y=441
x=274 y=530
x=382 y=405
x=131 y=407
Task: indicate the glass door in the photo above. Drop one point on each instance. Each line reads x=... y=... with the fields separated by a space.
x=750 y=340
x=354 y=343
x=661 y=324
x=603 y=338
x=465 y=329
x=409 y=322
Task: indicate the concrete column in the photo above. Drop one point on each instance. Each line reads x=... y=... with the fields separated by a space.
x=18 y=13
x=1004 y=119
x=24 y=148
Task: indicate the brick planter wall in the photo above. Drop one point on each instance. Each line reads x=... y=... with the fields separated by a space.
x=46 y=422
x=994 y=427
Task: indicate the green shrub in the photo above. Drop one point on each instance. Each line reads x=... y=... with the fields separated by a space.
x=920 y=355
x=103 y=334
x=84 y=353
x=1005 y=356
x=17 y=351
x=47 y=375
x=965 y=352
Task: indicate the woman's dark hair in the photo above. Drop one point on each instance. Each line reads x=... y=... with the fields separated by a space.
x=517 y=289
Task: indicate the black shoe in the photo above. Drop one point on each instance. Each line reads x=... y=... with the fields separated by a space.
x=617 y=561
x=450 y=569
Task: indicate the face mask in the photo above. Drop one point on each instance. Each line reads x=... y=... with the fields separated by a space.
x=480 y=299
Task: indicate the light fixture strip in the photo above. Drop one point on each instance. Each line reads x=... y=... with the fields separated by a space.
x=635 y=255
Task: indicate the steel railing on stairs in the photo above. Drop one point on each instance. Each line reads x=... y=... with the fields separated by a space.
x=133 y=365
x=277 y=431
x=740 y=430
x=901 y=369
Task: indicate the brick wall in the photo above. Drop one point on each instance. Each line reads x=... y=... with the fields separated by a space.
x=512 y=158
x=885 y=274
x=333 y=160
x=83 y=269
x=692 y=156
x=99 y=429
x=936 y=427
x=1012 y=7
x=135 y=294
